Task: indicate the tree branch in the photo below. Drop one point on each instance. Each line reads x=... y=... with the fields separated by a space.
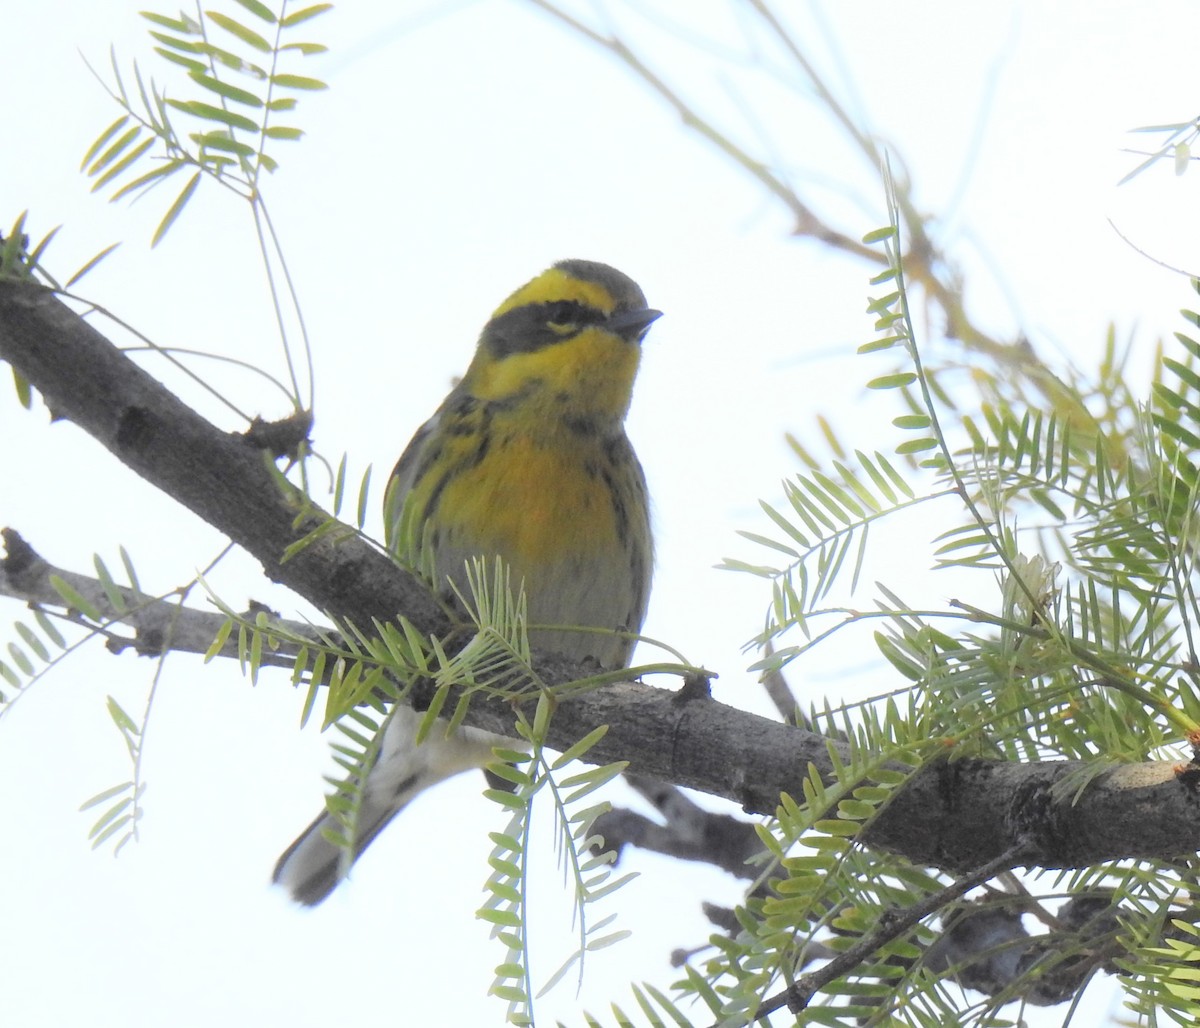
x=956 y=815
x=158 y=624
x=892 y=925
x=689 y=832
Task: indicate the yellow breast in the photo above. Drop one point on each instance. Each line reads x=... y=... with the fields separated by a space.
x=534 y=504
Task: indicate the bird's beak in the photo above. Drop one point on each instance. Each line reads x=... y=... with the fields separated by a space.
x=632 y=324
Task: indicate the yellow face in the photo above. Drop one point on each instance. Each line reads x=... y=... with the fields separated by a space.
x=566 y=345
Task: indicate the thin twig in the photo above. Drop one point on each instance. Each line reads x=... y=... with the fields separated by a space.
x=892 y=925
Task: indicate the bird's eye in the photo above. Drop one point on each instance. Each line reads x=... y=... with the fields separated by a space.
x=562 y=315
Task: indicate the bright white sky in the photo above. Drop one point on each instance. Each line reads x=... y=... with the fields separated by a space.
x=461 y=149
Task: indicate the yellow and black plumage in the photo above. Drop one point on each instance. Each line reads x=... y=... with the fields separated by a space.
x=526 y=459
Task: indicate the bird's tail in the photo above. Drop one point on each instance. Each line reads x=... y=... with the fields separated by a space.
x=312 y=866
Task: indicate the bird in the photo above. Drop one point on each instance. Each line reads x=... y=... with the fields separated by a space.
x=526 y=460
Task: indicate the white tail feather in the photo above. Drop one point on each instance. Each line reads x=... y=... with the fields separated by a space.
x=311 y=867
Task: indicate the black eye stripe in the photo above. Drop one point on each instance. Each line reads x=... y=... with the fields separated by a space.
x=528 y=328
x=570 y=312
